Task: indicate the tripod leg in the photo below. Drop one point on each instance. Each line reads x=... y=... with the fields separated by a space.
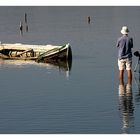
x=139 y=64
x=136 y=66
x=139 y=75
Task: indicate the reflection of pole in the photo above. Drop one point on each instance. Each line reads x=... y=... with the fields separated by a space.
x=26 y=28
x=26 y=22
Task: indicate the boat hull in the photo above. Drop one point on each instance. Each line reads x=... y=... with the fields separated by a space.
x=35 y=52
x=65 y=54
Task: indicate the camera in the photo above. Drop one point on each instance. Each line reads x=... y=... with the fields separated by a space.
x=137 y=54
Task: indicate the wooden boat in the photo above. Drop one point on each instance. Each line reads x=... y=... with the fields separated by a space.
x=35 y=52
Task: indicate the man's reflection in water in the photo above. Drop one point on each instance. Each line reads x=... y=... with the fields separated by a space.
x=126 y=107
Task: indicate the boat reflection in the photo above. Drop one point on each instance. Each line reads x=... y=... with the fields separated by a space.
x=59 y=64
x=126 y=107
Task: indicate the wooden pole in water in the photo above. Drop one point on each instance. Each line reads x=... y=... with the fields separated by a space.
x=25 y=18
x=21 y=28
x=88 y=19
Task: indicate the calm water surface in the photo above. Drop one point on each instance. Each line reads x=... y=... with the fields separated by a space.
x=43 y=98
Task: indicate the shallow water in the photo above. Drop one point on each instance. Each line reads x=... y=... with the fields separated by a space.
x=43 y=98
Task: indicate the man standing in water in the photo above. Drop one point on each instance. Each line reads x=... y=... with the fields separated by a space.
x=124 y=45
